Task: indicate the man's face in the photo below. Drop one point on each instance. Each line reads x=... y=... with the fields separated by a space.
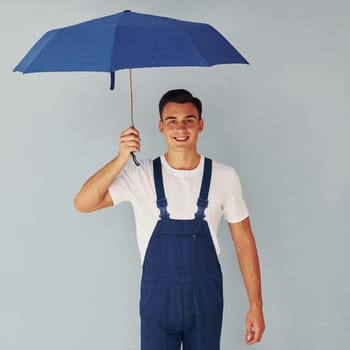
x=180 y=125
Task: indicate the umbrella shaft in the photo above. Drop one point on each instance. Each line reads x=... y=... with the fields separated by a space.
x=131 y=100
x=132 y=115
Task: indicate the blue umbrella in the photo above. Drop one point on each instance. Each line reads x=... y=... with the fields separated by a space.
x=128 y=40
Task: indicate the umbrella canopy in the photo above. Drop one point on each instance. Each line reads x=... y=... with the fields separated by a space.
x=129 y=40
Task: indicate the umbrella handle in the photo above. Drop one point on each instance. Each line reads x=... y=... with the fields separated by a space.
x=135 y=159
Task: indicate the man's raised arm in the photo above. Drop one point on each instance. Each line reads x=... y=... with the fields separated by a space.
x=94 y=193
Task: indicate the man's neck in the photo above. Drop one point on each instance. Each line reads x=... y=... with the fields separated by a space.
x=183 y=160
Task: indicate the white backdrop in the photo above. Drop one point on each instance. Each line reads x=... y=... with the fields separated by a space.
x=71 y=280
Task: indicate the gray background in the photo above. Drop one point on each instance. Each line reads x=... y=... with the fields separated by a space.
x=71 y=280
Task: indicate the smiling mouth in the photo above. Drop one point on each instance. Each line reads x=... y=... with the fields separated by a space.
x=181 y=139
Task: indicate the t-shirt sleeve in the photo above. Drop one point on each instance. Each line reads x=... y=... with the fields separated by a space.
x=234 y=208
x=120 y=189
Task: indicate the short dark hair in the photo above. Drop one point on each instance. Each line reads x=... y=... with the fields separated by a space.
x=180 y=96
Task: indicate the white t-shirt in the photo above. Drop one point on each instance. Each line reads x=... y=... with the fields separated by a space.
x=135 y=184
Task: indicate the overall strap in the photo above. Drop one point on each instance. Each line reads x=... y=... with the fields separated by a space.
x=202 y=202
x=158 y=182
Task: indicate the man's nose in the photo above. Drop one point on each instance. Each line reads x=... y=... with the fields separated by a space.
x=182 y=125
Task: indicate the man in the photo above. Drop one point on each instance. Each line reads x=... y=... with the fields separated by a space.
x=178 y=200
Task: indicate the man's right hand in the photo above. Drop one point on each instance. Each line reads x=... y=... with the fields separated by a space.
x=129 y=141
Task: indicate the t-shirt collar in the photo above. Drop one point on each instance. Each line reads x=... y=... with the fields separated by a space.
x=168 y=168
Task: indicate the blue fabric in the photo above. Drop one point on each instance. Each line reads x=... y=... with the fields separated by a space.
x=129 y=40
x=181 y=288
x=159 y=186
x=202 y=202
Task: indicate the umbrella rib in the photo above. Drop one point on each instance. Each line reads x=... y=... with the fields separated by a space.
x=114 y=43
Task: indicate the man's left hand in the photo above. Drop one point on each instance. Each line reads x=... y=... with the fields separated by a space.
x=255 y=325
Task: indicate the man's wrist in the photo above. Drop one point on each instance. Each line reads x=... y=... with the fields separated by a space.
x=256 y=305
x=122 y=158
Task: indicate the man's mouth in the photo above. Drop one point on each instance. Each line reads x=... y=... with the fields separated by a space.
x=181 y=138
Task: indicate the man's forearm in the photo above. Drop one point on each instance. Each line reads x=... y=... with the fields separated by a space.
x=247 y=255
x=249 y=265
x=94 y=189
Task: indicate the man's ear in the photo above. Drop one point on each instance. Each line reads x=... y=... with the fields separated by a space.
x=161 y=126
x=201 y=124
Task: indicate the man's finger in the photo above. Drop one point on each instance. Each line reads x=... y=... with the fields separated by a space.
x=249 y=335
x=256 y=336
x=130 y=131
x=130 y=138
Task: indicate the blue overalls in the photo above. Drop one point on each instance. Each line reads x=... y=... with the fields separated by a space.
x=181 y=288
